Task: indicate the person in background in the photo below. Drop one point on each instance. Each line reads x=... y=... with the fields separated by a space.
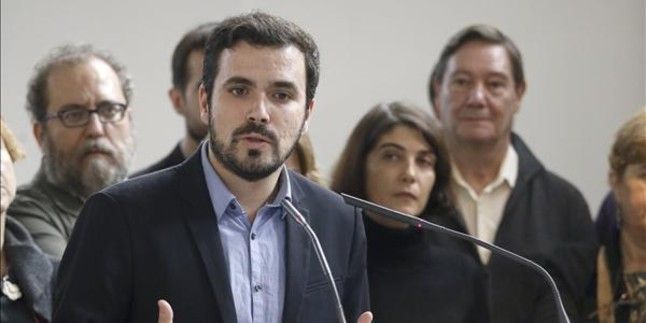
x=186 y=67
x=79 y=102
x=621 y=264
x=26 y=272
x=302 y=160
x=396 y=157
x=504 y=193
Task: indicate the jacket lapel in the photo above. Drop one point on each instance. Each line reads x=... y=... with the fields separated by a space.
x=298 y=256
x=203 y=225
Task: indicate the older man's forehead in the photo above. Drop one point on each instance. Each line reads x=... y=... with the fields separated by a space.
x=481 y=57
x=83 y=83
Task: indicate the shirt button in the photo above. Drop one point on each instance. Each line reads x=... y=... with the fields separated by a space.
x=257 y=288
x=253 y=236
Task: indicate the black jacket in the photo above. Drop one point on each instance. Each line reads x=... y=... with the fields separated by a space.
x=546 y=220
x=157 y=236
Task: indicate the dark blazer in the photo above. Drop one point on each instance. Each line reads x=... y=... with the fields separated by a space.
x=546 y=220
x=157 y=236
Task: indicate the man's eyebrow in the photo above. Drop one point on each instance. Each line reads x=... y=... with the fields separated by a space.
x=238 y=80
x=460 y=72
x=72 y=106
x=285 y=85
x=498 y=74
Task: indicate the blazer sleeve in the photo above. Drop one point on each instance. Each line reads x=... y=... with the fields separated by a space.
x=356 y=298
x=95 y=275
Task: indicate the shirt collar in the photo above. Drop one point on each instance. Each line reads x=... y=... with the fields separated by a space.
x=508 y=172
x=220 y=195
x=509 y=168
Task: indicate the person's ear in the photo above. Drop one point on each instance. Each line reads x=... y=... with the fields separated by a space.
x=177 y=100
x=39 y=133
x=308 y=112
x=520 y=91
x=204 y=104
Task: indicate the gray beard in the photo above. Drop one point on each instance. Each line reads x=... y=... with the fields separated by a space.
x=84 y=180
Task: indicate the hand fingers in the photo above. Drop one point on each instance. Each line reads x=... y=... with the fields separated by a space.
x=366 y=317
x=165 y=312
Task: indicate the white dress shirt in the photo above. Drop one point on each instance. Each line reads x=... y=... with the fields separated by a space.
x=483 y=212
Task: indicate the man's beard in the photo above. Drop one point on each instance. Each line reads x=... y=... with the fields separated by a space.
x=69 y=171
x=250 y=168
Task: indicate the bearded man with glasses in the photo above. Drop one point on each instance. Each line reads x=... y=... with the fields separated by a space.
x=78 y=101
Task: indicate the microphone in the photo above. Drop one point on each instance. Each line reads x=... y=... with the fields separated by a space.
x=300 y=219
x=426 y=225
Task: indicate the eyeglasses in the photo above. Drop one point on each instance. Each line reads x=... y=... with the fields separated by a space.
x=74 y=115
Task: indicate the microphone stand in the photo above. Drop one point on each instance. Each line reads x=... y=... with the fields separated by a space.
x=423 y=224
x=300 y=219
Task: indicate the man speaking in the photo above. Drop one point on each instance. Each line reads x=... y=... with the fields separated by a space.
x=210 y=236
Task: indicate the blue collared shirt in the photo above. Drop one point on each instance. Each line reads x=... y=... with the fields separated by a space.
x=254 y=252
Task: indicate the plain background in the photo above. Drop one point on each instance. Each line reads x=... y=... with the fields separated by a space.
x=584 y=62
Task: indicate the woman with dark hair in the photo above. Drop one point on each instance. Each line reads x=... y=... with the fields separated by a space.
x=395 y=157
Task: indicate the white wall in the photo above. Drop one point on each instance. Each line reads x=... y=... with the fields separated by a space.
x=584 y=62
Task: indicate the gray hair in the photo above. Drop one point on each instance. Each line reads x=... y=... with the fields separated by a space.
x=68 y=55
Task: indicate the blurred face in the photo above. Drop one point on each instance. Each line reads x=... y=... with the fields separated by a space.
x=400 y=171
x=257 y=109
x=630 y=193
x=477 y=97
x=190 y=103
x=7 y=187
x=88 y=158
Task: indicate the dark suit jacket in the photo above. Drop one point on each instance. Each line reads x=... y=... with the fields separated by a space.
x=546 y=220
x=157 y=236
